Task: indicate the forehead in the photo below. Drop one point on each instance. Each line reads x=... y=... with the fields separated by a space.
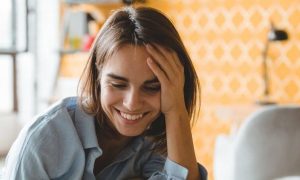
x=129 y=61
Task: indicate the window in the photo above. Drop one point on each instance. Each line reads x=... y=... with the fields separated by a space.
x=6 y=24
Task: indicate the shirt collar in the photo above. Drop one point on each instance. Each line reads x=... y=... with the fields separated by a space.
x=85 y=125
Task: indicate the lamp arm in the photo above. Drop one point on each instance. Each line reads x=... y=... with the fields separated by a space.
x=265 y=70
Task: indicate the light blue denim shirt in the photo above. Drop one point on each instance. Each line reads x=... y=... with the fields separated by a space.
x=61 y=144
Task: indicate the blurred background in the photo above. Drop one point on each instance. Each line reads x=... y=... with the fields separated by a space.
x=246 y=53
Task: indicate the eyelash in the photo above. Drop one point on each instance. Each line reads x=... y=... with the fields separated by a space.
x=118 y=86
x=151 y=89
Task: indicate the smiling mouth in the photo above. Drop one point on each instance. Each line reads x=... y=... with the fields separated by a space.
x=131 y=117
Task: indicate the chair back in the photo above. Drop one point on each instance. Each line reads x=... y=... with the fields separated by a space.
x=268 y=144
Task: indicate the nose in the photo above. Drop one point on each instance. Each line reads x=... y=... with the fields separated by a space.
x=133 y=100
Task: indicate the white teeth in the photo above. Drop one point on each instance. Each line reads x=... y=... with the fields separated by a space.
x=131 y=117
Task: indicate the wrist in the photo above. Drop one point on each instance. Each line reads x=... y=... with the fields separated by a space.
x=179 y=117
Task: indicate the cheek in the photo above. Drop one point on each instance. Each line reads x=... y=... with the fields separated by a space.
x=108 y=96
x=156 y=102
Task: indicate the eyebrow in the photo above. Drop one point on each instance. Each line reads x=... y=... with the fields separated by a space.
x=114 y=76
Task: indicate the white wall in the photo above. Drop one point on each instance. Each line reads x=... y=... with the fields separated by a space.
x=47 y=49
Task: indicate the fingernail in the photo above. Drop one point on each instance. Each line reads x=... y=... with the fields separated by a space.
x=149 y=60
x=149 y=46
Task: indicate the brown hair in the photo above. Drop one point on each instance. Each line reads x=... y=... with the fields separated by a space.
x=136 y=26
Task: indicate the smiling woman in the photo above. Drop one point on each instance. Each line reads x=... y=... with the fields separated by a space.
x=132 y=117
x=130 y=92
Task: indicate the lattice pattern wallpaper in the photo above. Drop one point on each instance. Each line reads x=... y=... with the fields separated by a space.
x=225 y=39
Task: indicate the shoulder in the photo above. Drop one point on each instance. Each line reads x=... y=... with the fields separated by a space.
x=48 y=139
x=53 y=126
x=59 y=118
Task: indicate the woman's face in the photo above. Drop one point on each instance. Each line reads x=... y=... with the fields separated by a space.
x=130 y=93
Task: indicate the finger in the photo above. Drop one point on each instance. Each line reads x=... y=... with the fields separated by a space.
x=178 y=66
x=161 y=60
x=168 y=54
x=177 y=61
x=172 y=59
x=161 y=76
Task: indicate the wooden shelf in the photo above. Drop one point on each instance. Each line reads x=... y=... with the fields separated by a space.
x=71 y=51
x=72 y=59
x=72 y=65
x=92 y=2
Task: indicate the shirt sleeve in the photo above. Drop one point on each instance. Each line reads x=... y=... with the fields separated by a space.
x=49 y=148
x=202 y=172
x=22 y=163
x=166 y=169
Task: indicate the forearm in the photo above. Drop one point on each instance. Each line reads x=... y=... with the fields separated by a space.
x=180 y=143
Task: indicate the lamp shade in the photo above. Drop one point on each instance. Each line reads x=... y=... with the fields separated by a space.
x=277 y=35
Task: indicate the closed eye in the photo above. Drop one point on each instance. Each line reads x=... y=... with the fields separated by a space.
x=118 y=85
x=152 y=88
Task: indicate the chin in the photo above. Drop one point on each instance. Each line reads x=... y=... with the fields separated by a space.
x=131 y=134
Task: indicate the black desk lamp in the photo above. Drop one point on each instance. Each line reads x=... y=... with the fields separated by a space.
x=273 y=35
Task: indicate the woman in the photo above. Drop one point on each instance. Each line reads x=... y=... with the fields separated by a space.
x=132 y=119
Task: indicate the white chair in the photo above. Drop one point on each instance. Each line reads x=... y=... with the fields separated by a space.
x=267 y=145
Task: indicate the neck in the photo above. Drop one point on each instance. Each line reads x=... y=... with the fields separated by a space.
x=109 y=139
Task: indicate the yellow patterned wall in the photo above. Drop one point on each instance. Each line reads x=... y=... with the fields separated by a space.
x=225 y=39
